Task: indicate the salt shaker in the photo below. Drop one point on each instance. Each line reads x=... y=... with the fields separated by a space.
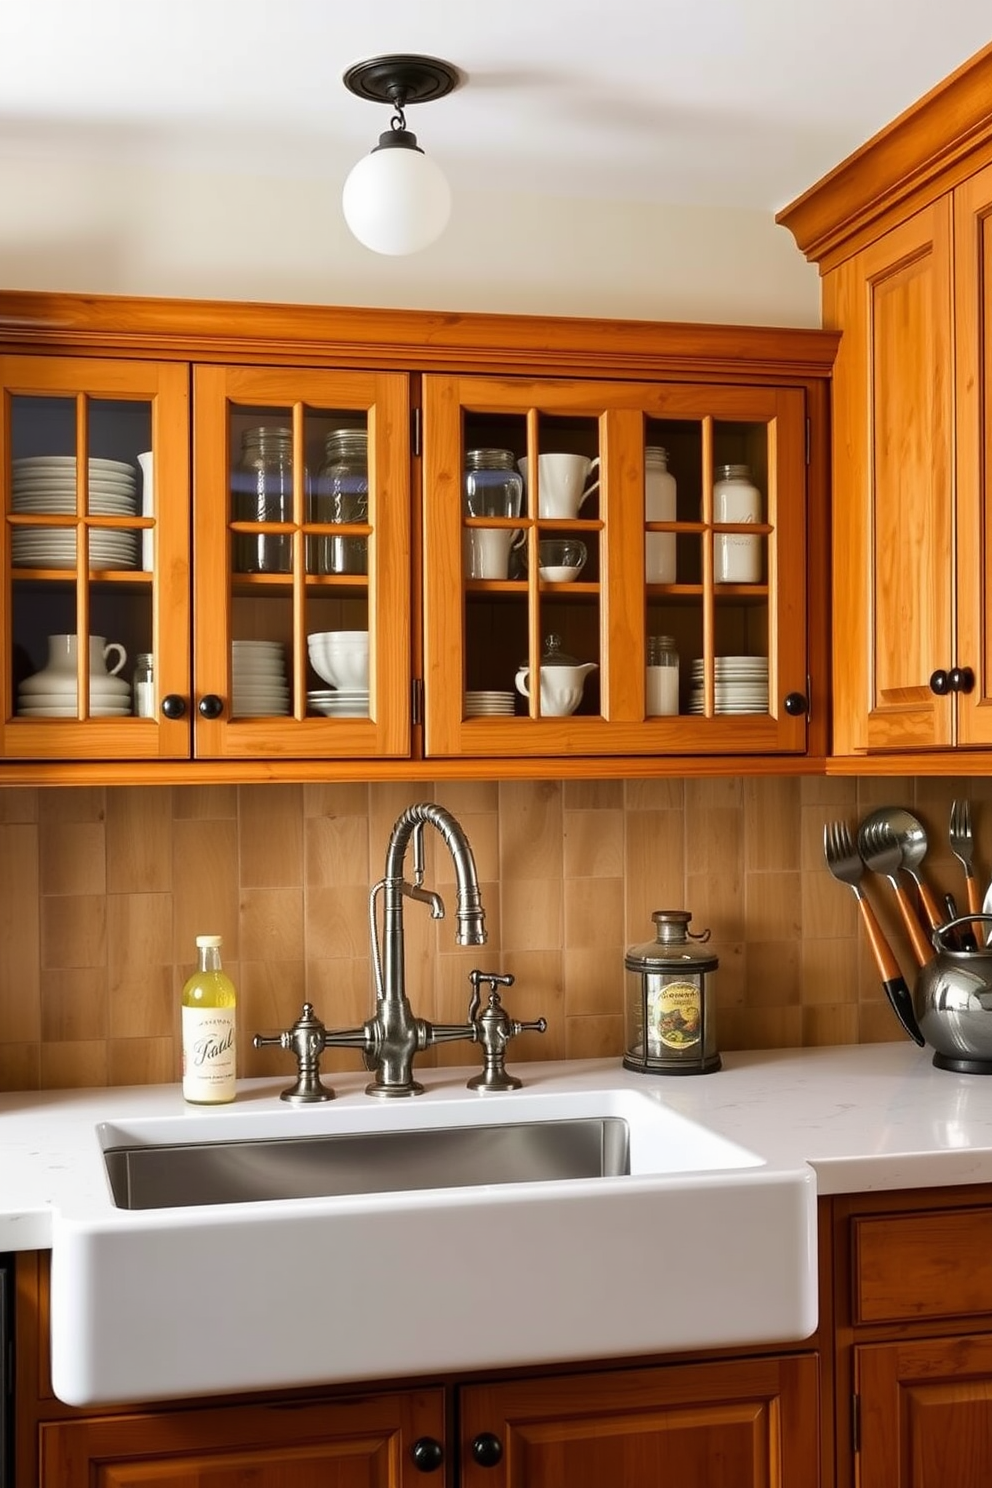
x=661 y=683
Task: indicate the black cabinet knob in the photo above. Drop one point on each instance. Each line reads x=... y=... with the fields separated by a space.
x=796 y=705
x=962 y=679
x=940 y=683
x=427 y=1454
x=487 y=1449
x=210 y=705
x=174 y=706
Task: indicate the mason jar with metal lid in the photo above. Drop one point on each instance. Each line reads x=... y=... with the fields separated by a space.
x=670 y=1013
x=262 y=491
x=341 y=495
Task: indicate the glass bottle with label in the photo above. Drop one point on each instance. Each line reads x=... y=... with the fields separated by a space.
x=659 y=506
x=262 y=491
x=208 y=1027
x=736 y=556
x=671 y=1001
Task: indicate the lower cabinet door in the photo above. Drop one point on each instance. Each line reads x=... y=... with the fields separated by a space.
x=749 y=1423
x=366 y=1442
x=926 y=1413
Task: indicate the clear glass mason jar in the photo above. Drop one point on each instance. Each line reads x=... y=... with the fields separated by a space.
x=736 y=557
x=659 y=506
x=262 y=491
x=494 y=486
x=341 y=494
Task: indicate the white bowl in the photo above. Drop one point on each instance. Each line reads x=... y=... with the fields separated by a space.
x=340 y=657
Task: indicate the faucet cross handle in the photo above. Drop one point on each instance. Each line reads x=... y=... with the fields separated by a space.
x=495 y=1029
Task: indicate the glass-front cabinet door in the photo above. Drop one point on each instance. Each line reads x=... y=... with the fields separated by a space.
x=613 y=568
x=302 y=563
x=94 y=557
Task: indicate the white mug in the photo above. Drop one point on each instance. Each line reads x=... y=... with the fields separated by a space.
x=561 y=483
x=62 y=655
x=486 y=551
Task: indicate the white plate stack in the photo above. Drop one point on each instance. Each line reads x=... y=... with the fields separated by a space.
x=45 y=485
x=740 y=684
x=259 y=686
x=44 y=696
x=339 y=702
x=489 y=704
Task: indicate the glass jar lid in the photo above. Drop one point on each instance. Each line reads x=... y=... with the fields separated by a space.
x=672 y=946
x=553 y=655
x=490 y=459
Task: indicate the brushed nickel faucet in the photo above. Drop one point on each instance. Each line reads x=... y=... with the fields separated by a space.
x=392 y=1037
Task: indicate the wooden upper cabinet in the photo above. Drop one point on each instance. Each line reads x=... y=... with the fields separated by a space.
x=251 y=478
x=901 y=232
x=894 y=584
x=578 y=641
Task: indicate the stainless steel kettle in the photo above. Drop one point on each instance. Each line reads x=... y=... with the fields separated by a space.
x=953 y=1001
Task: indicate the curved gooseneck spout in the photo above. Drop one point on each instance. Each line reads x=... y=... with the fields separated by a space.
x=393 y=1032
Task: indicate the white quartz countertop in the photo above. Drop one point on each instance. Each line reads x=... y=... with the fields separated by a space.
x=864 y=1117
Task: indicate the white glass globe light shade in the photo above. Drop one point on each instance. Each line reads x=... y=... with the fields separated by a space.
x=396 y=200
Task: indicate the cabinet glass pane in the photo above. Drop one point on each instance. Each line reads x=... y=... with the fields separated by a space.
x=530 y=561
x=80 y=569
x=299 y=518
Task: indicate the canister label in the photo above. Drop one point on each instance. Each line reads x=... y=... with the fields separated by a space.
x=675 y=1016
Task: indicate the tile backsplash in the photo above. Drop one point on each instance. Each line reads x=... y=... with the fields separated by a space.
x=103 y=891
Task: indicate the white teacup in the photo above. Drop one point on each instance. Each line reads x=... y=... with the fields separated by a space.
x=561 y=483
x=486 y=551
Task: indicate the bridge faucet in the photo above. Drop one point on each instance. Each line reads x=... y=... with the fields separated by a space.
x=393 y=1035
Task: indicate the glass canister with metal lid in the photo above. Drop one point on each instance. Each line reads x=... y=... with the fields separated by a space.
x=670 y=1013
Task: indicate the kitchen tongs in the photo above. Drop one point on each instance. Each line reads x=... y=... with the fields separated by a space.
x=844 y=862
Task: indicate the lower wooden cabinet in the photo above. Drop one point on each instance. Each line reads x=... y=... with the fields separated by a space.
x=373 y=1441
x=925 y=1413
x=743 y=1423
x=912 y=1289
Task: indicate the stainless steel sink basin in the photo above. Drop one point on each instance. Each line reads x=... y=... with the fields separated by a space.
x=238 y=1172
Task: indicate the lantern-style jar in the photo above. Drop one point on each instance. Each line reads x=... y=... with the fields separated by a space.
x=670 y=1018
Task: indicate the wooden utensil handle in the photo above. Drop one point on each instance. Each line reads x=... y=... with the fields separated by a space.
x=930 y=908
x=885 y=960
x=922 y=949
x=971 y=889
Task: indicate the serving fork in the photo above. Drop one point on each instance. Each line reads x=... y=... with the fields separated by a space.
x=847 y=866
x=961 y=839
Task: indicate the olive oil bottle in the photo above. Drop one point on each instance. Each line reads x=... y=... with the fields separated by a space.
x=208 y=1013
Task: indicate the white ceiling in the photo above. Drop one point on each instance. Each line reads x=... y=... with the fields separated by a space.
x=743 y=102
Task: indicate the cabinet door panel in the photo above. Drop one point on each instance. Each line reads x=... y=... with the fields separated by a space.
x=240 y=601
x=894 y=588
x=486 y=636
x=745 y=1424
x=926 y=1413
x=361 y=1443
x=973 y=350
x=75 y=563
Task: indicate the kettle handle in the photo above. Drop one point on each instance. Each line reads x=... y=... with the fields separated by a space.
x=942 y=930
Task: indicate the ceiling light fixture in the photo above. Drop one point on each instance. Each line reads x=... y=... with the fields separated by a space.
x=396 y=200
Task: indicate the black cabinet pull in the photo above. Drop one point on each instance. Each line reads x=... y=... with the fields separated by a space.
x=940 y=683
x=796 y=704
x=427 y=1454
x=962 y=679
x=211 y=706
x=174 y=706
x=487 y=1449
